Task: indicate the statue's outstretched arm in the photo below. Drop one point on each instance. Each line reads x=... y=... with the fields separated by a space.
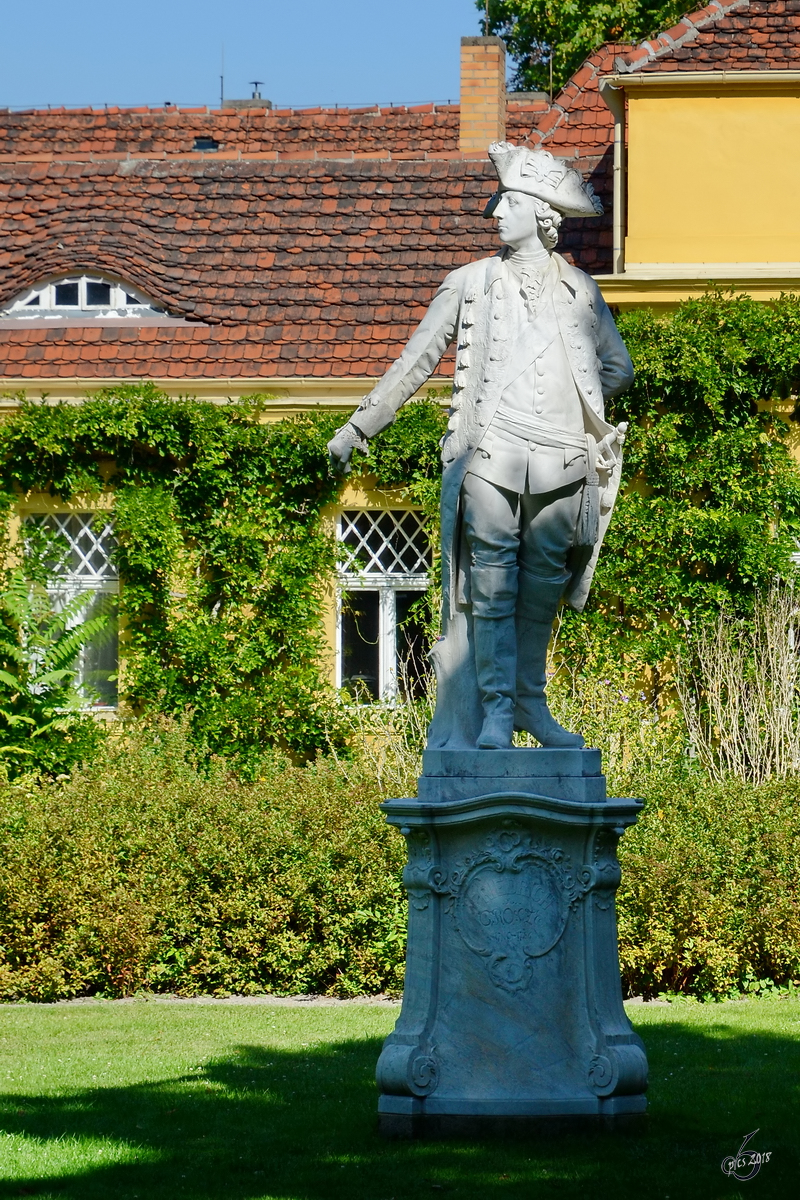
x=406 y=375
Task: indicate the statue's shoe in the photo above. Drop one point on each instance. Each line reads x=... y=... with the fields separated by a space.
x=535 y=717
x=496 y=732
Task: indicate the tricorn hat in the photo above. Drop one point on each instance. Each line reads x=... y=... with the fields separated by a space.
x=539 y=173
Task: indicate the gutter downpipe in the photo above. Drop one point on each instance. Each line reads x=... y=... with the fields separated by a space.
x=615 y=99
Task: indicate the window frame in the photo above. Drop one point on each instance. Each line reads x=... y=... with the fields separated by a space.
x=387 y=584
x=65 y=588
x=125 y=300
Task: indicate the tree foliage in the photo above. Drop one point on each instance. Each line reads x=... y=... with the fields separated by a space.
x=570 y=30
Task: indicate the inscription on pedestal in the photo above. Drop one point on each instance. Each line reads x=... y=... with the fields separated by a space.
x=511 y=902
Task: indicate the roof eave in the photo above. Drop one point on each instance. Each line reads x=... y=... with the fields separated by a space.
x=697 y=78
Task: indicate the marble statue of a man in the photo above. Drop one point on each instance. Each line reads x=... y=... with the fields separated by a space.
x=531 y=467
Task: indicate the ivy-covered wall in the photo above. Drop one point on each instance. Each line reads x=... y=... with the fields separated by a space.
x=711 y=510
x=224 y=557
x=222 y=553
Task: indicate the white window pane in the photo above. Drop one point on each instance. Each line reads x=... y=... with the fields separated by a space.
x=97 y=293
x=67 y=294
x=90 y=541
x=99 y=657
x=411 y=642
x=384 y=574
x=91 y=296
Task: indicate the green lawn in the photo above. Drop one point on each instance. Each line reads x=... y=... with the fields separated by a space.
x=260 y=1102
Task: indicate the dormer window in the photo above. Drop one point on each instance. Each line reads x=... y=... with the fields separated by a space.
x=82 y=296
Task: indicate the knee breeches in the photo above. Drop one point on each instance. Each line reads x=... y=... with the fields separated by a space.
x=516 y=541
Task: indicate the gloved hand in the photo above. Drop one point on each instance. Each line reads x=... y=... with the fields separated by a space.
x=341 y=446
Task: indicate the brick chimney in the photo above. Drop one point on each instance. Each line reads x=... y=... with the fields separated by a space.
x=483 y=93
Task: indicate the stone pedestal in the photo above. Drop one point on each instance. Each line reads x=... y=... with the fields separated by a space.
x=512 y=1011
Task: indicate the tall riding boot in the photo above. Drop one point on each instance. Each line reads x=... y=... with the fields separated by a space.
x=493 y=591
x=538 y=604
x=496 y=666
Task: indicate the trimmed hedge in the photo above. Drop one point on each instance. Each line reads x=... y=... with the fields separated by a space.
x=146 y=873
x=151 y=872
x=710 y=896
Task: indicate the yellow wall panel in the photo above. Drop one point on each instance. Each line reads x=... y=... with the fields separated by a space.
x=714 y=177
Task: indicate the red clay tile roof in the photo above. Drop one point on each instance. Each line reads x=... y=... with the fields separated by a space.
x=311 y=267
x=86 y=135
x=92 y=134
x=735 y=35
x=195 y=351
x=304 y=260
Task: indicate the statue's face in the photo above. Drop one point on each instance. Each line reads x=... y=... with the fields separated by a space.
x=516 y=218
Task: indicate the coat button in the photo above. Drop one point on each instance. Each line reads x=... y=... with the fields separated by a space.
x=538 y=408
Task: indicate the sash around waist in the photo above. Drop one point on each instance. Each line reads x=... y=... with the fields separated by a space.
x=532 y=429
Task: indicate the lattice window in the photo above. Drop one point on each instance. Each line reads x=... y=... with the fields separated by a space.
x=384 y=575
x=90 y=542
x=385 y=543
x=86 y=568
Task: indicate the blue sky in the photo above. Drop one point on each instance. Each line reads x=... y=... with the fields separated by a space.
x=309 y=52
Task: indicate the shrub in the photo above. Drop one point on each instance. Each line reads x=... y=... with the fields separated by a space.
x=739 y=684
x=710 y=889
x=151 y=871
x=146 y=872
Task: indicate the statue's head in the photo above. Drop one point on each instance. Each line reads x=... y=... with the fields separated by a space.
x=537 y=190
x=520 y=216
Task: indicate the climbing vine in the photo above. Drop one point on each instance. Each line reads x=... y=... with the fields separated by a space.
x=710 y=507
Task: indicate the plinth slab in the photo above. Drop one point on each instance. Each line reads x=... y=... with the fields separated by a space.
x=458 y=774
x=512 y=1007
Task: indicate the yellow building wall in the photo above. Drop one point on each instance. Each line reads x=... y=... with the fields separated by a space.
x=713 y=175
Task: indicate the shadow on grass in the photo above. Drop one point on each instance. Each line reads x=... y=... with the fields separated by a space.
x=302 y=1126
